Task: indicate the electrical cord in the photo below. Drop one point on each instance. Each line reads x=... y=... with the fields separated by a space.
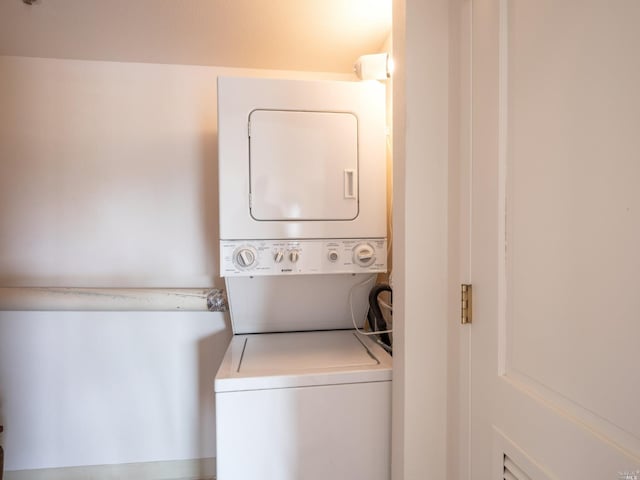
x=384 y=345
x=353 y=317
x=384 y=304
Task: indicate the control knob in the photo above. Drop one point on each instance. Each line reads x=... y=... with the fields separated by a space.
x=364 y=255
x=294 y=255
x=245 y=257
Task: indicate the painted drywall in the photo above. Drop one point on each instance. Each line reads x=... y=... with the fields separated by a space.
x=108 y=178
x=325 y=35
x=90 y=388
x=421 y=137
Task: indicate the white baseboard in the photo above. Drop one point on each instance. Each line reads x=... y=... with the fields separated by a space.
x=197 y=469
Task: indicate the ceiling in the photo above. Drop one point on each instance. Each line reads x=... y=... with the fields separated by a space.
x=310 y=35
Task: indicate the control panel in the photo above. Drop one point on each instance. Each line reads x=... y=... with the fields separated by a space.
x=302 y=257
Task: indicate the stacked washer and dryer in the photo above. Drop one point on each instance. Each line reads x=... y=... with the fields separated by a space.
x=303 y=393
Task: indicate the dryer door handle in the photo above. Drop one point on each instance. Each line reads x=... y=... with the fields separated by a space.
x=350 y=185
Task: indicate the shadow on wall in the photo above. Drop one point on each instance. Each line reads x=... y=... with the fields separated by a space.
x=209 y=202
x=209 y=359
x=1 y=450
x=1 y=432
x=209 y=352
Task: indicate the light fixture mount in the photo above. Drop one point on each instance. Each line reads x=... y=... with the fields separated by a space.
x=376 y=66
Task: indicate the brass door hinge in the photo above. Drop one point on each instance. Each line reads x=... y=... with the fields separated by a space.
x=466 y=304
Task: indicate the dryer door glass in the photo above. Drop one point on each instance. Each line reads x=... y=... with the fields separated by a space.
x=303 y=165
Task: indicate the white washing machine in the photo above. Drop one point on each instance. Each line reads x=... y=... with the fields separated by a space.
x=302 y=393
x=304 y=405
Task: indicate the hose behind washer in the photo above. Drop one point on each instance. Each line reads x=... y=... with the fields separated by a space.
x=374 y=315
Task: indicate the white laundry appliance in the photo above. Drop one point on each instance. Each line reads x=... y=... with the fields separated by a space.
x=302 y=393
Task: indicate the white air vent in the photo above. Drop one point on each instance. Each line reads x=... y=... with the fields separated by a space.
x=512 y=471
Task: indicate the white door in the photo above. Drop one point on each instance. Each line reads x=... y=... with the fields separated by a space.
x=555 y=249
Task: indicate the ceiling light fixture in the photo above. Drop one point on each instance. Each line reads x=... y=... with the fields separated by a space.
x=377 y=66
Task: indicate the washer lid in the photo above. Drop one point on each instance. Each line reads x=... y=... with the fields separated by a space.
x=303 y=352
x=284 y=360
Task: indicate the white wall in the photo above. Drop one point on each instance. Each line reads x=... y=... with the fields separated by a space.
x=108 y=178
x=421 y=150
x=99 y=388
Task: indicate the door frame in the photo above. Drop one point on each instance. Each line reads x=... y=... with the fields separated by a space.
x=431 y=171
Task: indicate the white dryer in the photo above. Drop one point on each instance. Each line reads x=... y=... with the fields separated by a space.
x=301 y=394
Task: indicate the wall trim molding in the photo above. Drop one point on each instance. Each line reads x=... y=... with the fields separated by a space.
x=195 y=469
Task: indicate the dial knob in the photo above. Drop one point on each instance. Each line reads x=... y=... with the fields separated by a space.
x=245 y=257
x=293 y=256
x=332 y=256
x=364 y=255
x=278 y=256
